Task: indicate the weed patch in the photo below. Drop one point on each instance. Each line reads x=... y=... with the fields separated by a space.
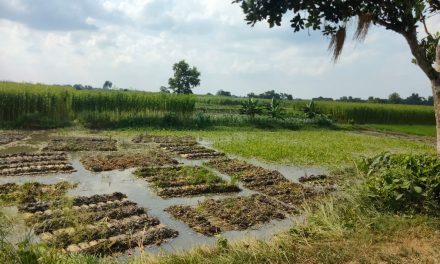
x=185 y=180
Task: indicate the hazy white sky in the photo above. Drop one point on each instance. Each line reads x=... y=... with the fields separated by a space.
x=134 y=44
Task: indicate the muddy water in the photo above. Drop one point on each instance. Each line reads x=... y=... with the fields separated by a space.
x=139 y=191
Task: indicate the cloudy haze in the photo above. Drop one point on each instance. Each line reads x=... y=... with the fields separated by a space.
x=134 y=44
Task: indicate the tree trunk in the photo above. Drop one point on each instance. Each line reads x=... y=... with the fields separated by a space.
x=436 y=96
x=432 y=73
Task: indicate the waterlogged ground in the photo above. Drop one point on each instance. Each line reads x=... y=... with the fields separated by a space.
x=139 y=190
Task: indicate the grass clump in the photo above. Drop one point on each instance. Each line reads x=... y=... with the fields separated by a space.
x=403 y=183
x=176 y=176
x=185 y=181
x=15 y=194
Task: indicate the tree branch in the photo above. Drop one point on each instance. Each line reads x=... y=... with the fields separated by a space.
x=424 y=26
x=420 y=54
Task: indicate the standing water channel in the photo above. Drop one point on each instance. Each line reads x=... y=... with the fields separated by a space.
x=140 y=191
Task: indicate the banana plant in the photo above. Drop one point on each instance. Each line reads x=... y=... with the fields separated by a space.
x=250 y=108
x=275 y=110
x=310 y=109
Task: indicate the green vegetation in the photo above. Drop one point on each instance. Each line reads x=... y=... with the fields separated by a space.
x=185 y=78
x=275 y=110
x=49 y=106
x=318 y=147
x=251 y=108
x=341 y=112
x=14 y=194
x=369 y=113
x=165 y=177
x=36 y=106
x=123 y=101
x=46 y=106
x=403 y=183
x=421 y=130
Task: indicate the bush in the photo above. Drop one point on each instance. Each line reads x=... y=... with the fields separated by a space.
x=403 y=183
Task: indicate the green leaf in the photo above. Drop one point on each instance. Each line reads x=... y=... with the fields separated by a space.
x=418 y=189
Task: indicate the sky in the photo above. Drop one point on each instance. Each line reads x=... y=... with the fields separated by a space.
x=134 y=43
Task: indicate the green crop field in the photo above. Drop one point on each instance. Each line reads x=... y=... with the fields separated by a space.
x=420 y=130
x=371 y=113
x=342 y=112
x=36 y=105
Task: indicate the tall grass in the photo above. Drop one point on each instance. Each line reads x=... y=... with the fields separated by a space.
x=121 y=101
x=32 y=104
x=42 y=106
x=368 y=113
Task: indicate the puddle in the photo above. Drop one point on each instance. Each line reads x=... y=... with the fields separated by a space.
x=139 y=191
x=19 y=231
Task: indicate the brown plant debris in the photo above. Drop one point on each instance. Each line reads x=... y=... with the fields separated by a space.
x=7 y=137
x=268 y=182
x=100 y=225
x=124 y=161
x=237 y=213
x=164 y=139
x=81 y=144
x=320 y=181
x=34 y=163
x=185 y=146
x=192 y=151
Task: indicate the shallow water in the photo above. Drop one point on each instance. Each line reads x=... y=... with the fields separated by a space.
x=292 y=173
x=139 y=191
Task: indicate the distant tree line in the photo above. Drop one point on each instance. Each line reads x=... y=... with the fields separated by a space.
x=223 y=93
x=394 y=98
x=106 y=86
x=266 y=95
x=272 y=94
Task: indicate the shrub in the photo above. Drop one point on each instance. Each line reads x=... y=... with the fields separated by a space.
x=403 y=183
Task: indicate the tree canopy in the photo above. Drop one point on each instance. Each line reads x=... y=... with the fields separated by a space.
x=395 y=98
x=333 y=17
x=185 y=78
x=107 y=85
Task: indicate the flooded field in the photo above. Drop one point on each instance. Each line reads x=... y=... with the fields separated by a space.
x=154 y=193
